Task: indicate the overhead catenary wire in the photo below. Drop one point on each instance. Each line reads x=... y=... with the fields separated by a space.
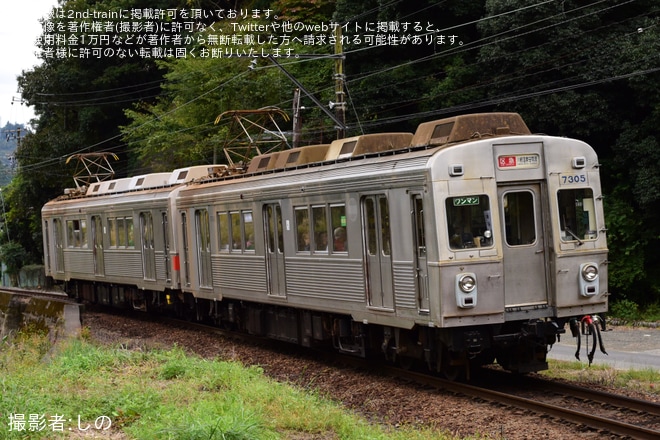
x=472 y=46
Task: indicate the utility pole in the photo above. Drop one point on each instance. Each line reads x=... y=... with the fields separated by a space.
x=297 y=122
x=340 y=124
x=14 y=134
x=340 y=105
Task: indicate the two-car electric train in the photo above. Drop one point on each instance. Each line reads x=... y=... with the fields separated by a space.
x=468 y=242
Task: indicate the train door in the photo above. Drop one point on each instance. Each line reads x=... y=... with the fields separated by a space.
x=419 y=247
x=97 y=245
x=203 y=248
x=274 y=250
x=378 y=253
x=166 y=247
x=148 y=251
x=524 y=246
x=47 y=245
x=59 y=245
x=186 y=249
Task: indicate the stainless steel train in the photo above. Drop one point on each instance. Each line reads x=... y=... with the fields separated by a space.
x=468 y=242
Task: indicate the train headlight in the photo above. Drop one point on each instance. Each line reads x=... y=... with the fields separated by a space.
x=465 y=289
x=588 y=279
x=589 y=272
x=467 y=283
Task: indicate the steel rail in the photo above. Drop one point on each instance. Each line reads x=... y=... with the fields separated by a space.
x=591 y=420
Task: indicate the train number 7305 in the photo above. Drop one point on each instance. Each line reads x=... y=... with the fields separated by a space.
x=569 y=179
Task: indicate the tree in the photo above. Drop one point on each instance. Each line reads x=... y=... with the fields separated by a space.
x=14 y=257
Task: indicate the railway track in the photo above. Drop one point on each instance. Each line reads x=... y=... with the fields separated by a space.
x=597 y=410
x=590 y=409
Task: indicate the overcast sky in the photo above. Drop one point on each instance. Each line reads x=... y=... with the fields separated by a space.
x=19 y=28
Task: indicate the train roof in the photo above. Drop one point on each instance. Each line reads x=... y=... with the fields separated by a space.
x=146 y=181
x=433 y=134
x=429 y=135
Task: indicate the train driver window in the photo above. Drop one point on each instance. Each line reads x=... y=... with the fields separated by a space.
x=469 y=222
x=577 y=215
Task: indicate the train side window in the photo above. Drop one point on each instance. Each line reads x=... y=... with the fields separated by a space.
x=338 y=220
x=248 y=231
x=121 y=232
x=112 y=229
x=130 y=239
x=70 y=234
x=223 y=232
x=418 y=218
x=320 y=223
x=469 y=221
x=76 y=233
x=302 y=229
x=577 y=214
x=385 y=226
x=83 y=233
x=370 y=226
x=236 y=237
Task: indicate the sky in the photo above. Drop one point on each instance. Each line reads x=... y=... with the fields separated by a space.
x=19 y=28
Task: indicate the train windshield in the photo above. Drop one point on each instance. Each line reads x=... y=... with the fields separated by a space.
x=469 y=221
x=577 y=214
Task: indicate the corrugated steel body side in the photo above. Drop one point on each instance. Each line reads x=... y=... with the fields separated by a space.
x=329 y=279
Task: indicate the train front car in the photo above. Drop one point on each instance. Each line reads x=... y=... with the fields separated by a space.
x=520 y=241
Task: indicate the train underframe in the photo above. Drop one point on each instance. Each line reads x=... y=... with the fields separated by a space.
x=519 y=346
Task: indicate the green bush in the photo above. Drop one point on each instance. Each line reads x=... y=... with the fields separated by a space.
x=625 y=310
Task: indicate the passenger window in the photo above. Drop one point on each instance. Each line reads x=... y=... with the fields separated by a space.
x=577 y=214
x=385 y=226
x=338 y=219
x=248 y=230
x=519 y=218
x=236 y=238
x=130 y=241
x=223 y=232
x=121 y=228
x=469 y=222
x=320 y=228
x=302 y=229
x=112 y=228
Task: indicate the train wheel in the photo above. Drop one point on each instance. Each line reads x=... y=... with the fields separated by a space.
x=407 y=362
x=454 y=366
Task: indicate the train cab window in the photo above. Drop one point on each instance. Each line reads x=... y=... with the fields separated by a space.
x=577 y=214
x=469 y=221
x=519 y=218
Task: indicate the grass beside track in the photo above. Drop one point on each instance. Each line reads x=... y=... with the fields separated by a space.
x=79 y=389
x=646 y=381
